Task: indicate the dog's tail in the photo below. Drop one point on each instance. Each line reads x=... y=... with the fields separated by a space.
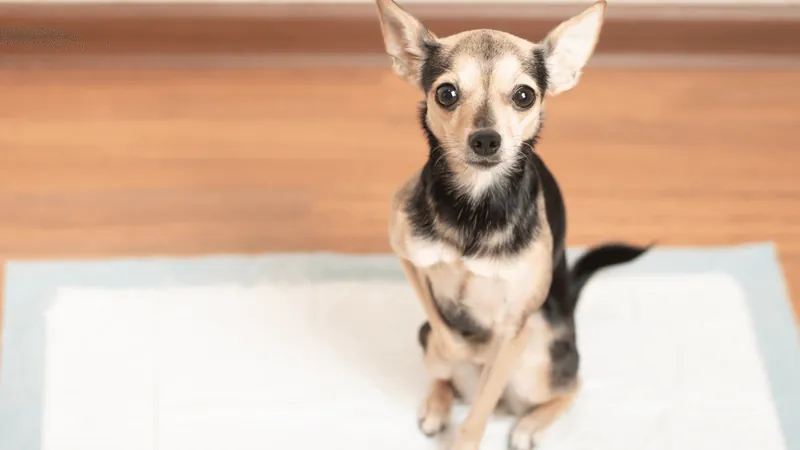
x=599 y=257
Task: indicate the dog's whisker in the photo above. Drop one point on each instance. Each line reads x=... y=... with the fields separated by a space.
x=439 y=159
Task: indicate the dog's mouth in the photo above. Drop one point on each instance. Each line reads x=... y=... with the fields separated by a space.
x=483 y=163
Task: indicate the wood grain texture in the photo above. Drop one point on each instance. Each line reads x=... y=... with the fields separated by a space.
x=183 y=162
x=342 y=28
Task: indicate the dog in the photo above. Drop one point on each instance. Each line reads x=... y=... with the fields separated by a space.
x=480 y=228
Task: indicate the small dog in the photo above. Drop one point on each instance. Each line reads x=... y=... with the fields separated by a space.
x=480 y=229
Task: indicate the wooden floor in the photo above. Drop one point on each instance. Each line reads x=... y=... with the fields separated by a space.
x=97 y=163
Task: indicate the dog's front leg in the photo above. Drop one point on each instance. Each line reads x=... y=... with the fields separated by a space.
x=494 y=379
x=445 y=347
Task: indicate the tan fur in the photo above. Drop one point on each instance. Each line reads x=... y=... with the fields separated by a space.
x=434 y=413
x=479 y=82
x=502 y=294
x=523 y=283
x=530 y=382
x=566 y=64
x=528 y=429
x=401 y=42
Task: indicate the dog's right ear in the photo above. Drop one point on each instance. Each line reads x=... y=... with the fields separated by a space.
x=407 y=40
x=570 y=45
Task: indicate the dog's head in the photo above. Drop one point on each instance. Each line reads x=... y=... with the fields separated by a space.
x=484 y=88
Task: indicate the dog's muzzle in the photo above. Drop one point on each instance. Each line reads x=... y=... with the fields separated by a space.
x=484 y=147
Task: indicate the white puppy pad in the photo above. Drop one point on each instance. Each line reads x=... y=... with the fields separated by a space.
x=669 y=362
x=684 y=349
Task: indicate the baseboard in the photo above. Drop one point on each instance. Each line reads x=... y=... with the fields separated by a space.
x=174 y=30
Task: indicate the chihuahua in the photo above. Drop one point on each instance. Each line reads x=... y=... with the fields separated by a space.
x=480 y=229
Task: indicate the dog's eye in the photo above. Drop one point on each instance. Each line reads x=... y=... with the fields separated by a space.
x=446 y=95
x=523 y=97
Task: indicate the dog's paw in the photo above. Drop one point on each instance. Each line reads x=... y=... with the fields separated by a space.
x=522 y=437
x=433 y=421
x=434 y=416
x=466 y=446
x=432 y=424
x=463 y=443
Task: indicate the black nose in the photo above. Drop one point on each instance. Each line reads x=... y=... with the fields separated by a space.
x=485 y=142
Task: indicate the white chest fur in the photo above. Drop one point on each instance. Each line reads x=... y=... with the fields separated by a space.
x=424 y=254
x=494 y=290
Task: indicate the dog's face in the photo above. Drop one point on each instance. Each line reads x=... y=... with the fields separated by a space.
x=484 y=89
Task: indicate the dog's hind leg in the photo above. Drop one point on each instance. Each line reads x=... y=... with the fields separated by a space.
x=494 y=379
x=546 y=380
x=529 y=428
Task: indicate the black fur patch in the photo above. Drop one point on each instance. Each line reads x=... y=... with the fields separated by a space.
x=565 y=363
x=418 y=205
x=511 y=204
x=436 y=63
x=536 y=67
x=554 y=204
x=458 y=318
x=423 y=335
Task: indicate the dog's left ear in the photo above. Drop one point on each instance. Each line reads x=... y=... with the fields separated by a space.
x=569 y=46
x=407 y=40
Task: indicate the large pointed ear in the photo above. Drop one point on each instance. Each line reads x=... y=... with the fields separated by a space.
x=407 y=40
x=569 y=46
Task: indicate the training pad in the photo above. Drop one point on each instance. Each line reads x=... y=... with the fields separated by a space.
x=669 y=361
